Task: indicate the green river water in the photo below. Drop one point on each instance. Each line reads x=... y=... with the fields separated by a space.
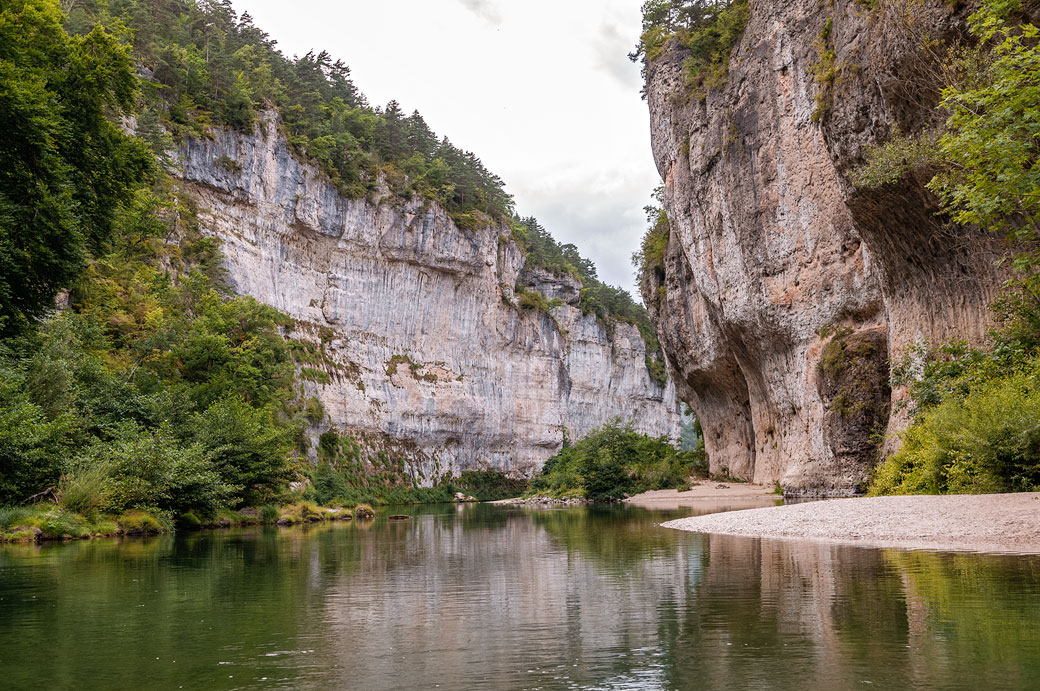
x=500 y=597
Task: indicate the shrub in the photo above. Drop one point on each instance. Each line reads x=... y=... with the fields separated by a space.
x=987 y=440
x=491 y=485
x=152 y=470
x=189 y=521
x=246 y=448
x=137 y=522
x=613 y=461
x=708 y=29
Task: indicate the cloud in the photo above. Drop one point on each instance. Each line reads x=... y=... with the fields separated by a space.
x=611 y=48
x=602 y=214
x=485 y=9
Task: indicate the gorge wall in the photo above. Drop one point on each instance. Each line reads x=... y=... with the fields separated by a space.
x=785 y=291
x=418 y=341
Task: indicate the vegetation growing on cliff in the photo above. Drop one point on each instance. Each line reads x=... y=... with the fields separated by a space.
x=708 y=29
x=977 y=421
x=615 y=461
x=649 y=259
x=209 y=67
x=153 y=391
x=610 y=304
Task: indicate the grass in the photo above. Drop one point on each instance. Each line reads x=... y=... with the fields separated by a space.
x=52 y=522
x=44 y=522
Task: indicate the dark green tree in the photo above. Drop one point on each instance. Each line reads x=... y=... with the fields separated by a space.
x=66 y=167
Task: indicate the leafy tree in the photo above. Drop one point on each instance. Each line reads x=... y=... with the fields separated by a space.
x=990 y=140
x=613 y=461
x=707 y=29
x=67 y=168
x=248 y=451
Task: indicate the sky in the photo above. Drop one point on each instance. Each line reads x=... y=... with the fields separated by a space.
x=542 y=91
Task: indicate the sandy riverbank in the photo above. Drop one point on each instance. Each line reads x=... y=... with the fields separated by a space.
x=705 y=490
x=973 y=522
x=744 y=495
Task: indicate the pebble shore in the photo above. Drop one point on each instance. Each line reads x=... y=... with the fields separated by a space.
x=1008 y=523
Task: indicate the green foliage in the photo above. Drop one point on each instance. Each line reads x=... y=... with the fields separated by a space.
x=490 y=485
x=610 y=304
x=649 y=260
x=986 y=151
x=975 y=409
x=247 y=447
x=533 y=300
x=68 y=169
x=887 y=163
x=156 y=391
x=150 y=469
x=32 y=444
x=826 y=71
x=708 y=29
x=211 y=67
x=990 y=137
x=615 y=461
x=987 y=440
x=353 y=471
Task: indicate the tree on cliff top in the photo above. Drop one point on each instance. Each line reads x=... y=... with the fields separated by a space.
x=208 y=67
x=707 y=29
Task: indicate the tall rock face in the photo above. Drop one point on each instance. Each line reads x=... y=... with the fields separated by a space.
x=786 y=292
x=417 y=342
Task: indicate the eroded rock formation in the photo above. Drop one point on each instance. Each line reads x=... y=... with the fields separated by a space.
x=787 y=291
x=422 y=345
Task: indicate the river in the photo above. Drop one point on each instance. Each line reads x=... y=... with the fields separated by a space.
x=503 y=597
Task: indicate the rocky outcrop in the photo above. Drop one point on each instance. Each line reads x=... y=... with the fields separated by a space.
x=416 y=337
x=775 y=260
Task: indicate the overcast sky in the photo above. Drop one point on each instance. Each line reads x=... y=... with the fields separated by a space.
x=541 y=91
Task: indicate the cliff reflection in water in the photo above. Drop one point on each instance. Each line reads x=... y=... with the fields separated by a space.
x=504 y=597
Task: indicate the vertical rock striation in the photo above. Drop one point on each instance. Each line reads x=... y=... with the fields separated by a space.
x=423 y=345
x=786 y=291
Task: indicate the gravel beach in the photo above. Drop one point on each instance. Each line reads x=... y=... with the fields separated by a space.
x=969 y=522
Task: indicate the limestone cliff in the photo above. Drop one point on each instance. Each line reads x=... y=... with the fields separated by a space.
x=419 y=341
x=787 y=291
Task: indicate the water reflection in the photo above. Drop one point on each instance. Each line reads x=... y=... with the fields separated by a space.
x=506 y=597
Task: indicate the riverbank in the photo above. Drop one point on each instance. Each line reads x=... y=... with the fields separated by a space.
x=962 y=522
x=745 y=495
x=708 y=489
x=49 y=522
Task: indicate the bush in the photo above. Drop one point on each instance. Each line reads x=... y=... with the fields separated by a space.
x=150 y=469
x=490 y=485
x=246 y=448
x=614 y=461
x=985 y=441
x=138 y=522
x=708 y=29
